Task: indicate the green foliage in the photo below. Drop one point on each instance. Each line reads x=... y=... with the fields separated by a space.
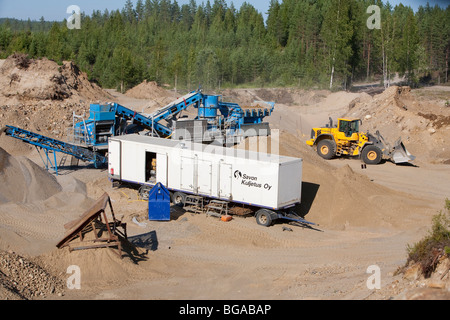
x=323 y=43
x=436 y=242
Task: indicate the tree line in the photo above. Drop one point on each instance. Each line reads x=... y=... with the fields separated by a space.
x=304 y=43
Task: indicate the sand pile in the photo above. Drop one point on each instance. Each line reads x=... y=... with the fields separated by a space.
x=23 y=181
x=155 y=97
x=423 y=125
x=98 y=266
x=151 y=91
x=348 y=199
x=34 y=206
x=386 y=112
x=281 y=96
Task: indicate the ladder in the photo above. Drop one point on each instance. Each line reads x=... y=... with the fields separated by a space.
x=194 y=204
x=217 y=208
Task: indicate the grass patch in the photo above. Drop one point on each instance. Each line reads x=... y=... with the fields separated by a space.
x=427 y=251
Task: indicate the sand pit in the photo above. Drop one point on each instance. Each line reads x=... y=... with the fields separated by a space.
x=364 y=217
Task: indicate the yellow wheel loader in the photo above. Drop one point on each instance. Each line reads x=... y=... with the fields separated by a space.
x=344 y=139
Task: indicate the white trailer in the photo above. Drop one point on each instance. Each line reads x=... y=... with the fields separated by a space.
x=270 y=184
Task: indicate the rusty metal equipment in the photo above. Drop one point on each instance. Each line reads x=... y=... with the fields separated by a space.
x=94 y=221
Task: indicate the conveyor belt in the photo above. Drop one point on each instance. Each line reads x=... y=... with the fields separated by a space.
x=53 y=145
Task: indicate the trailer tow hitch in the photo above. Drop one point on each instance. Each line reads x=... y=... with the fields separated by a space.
x=292 y=216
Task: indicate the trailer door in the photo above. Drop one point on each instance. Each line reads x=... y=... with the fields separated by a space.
x=114 y=156
x=204 y=177
x=161 y=168
x=225 y=180
x=187 y=172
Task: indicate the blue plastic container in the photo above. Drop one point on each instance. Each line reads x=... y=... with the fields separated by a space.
x=159 y=203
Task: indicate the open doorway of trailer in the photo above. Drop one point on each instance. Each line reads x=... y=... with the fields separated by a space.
x=150 y=167
x=155 y=168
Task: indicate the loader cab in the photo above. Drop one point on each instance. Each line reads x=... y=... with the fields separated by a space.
x=349 y=129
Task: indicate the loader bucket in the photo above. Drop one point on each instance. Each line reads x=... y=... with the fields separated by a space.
x=400 y=155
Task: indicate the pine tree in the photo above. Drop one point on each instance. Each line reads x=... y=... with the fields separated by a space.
x=140 y=12
x=176 y=67
x=337 y=33
x=407 y=45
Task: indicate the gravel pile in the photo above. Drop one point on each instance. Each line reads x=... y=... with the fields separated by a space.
x=23 y=279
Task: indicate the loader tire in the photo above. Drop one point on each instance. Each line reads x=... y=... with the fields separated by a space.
x=372 y=155
x=326 y=149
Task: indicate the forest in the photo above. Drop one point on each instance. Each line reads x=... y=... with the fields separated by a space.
x=302 y=43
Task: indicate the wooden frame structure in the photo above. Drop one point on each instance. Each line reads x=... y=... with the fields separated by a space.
x=95 y=220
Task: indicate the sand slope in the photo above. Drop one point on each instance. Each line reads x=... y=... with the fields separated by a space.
x=23 y=181
x=34 y=206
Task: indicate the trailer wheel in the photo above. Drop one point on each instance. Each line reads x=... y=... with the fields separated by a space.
x=372 y=155
x=178 y=199
x=144 y=192
x=264 y=217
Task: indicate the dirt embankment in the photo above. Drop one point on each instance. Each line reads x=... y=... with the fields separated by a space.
x=421 y=120
x=420 y=117
x=25 y=79
x=41 y=96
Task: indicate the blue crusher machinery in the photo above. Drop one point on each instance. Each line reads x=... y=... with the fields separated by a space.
x=217 y=122
x=220 y=122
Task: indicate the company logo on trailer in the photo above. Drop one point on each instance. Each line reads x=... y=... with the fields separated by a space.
x=238 y=175
x=250 y=181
